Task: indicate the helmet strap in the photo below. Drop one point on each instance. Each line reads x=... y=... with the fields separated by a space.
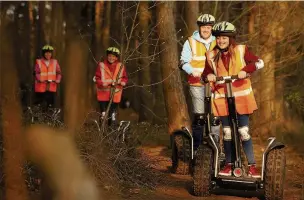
x=222 y=50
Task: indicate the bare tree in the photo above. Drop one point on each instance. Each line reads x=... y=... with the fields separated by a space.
x=174 y=96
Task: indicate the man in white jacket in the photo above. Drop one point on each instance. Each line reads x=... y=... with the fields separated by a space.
x=193 y=63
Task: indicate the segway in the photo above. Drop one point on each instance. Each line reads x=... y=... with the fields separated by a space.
x=206 y=179
x=182 y=141
x=182 y=151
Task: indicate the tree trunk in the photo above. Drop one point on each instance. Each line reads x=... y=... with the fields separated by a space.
x=23 y=41
x=99 y=22
x=57 y=40
x=146 y=96
x=267 y=79
x=191 y=15
x=105 y=38
x=11 y=114
x=253 y=22
x=44 y=23
x=75 y=86
x=174 y=96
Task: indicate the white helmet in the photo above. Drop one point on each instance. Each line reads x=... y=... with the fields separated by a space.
x=224 y=28
x=205 y=19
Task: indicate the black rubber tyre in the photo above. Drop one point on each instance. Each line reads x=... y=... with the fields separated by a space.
x=203 y=171
x=181 y=154
x=275 y=174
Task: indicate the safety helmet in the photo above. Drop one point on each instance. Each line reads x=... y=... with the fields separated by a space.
x=47 y=48
x=113 y=50
x=224 y=28
x=205 y=19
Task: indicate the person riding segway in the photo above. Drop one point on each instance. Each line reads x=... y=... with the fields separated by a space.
x=228 y=67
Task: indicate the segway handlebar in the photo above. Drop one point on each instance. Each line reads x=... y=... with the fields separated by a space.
x=223 y=79
x=227 y=78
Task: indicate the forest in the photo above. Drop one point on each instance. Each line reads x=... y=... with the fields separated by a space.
x=150 y=36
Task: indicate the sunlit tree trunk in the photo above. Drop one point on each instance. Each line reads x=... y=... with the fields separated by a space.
x=146 y=96
x=75 y=86
x=253 y=23
x=11 y=113
x=191 y=15
x=173 y=91
x=267 y=80
x=279 y=84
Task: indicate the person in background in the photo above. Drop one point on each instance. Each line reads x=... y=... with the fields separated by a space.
x=47 y=77
x=110 y=78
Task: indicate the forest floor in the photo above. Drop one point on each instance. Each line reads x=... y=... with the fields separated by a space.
x=179 y=186
x=155 y=146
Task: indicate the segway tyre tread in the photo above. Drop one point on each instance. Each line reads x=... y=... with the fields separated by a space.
x=202 y=171
x=275 y=174
x=181 y=155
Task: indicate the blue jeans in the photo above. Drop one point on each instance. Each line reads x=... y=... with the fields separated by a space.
x=243 y=120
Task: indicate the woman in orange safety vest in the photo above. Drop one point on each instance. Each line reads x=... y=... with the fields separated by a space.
x=47 y=77
x=228 y=58
x=110 y=77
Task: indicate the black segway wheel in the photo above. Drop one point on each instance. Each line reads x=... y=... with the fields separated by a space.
x=275 y=174
x=202 y=171
x=181 y=154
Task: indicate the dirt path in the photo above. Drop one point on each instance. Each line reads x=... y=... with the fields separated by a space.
x=178 y=186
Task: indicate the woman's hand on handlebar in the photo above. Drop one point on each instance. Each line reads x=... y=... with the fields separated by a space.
x=211 y=77
x=242 y=75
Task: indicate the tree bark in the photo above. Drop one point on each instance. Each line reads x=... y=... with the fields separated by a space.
x=173 y=91
x=57 y=40
x=99 y=22
x=75 y=86
x=44 y=23
x=191 y=15
x=11 y=114
x=267 y=79
x=106 y=27
x=146 y=96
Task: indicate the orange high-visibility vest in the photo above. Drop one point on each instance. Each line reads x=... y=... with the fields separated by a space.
x=242 y=90
x=198 y=59
x=104 y=93
x=46 y=73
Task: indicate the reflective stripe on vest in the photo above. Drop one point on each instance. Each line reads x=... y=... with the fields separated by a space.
x=48 y=72
x=105 y=72
x=108 y=89
x=236 y=94
x=198 y=59
x=244 y=99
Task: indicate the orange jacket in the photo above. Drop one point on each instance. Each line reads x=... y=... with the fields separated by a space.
x=44 y=74
x=244 y=98
x=107 y=73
